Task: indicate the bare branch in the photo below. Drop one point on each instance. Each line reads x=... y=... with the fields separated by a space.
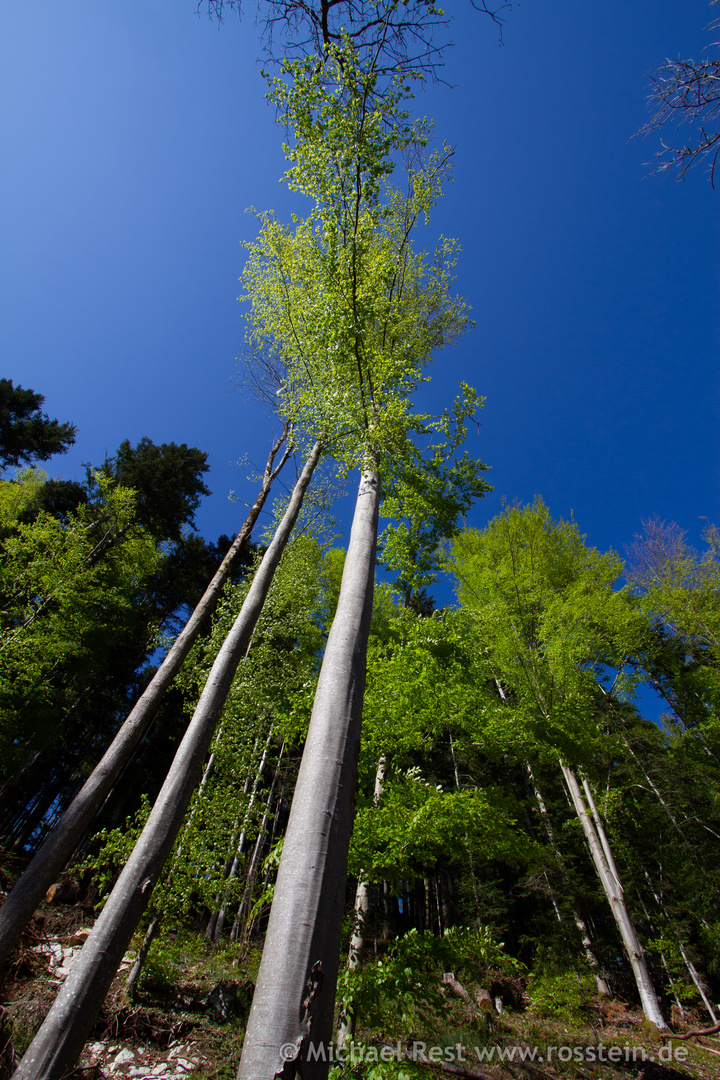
x=687 y=92
x=399 y=38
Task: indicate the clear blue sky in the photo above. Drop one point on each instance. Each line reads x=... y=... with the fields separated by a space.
x=135 y=134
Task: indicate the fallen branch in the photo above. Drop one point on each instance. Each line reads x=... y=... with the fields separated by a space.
x=450 y=980
x=457 y=1070
x=693 y=1034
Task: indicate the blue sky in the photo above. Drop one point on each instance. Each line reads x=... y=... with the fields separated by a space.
x=135 y=135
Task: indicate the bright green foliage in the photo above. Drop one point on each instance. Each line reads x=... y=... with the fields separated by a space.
x=428 y=495
x=552 y=623
x=680 y=594
x=397 y=990
x=424 y=690
x=66 y=589
x=564 y=995
x=417 y=823
x=340 y=301
x=422 y=679
x=112 y=848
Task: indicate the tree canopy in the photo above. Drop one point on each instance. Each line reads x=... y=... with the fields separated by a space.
x=28 y=434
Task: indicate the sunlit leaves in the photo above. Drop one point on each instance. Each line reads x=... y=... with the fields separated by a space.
x=345 y=308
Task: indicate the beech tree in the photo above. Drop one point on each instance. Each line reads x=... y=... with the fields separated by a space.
x=60 y=1039
x=554 y=627
x=355 y=315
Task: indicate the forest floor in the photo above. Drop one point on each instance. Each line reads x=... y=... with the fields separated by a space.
x=188 y=1019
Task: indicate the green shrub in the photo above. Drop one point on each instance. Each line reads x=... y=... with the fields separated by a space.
x=562 y=995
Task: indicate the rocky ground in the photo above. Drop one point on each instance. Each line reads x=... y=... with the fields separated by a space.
x=188 y=1020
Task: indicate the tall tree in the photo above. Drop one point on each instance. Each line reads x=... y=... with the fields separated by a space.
x=167 y=479
x=61 y=843
x=355 y=315
x=59 y=1041
x=555 y=628
x=27 y=433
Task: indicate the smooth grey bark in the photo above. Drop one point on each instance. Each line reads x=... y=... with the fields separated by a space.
x=58 y=1043
x=295 y=993
x=252 y=871
x=67 y=834
x=155 y=924
x=609 y=879
x=217 y=920
x=600 y=983
x=348 y=1014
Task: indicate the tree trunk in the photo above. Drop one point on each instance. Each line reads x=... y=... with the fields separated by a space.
x=217 y=921
x=155 y=924
x=346 y=1022
x=58 y=1043
x=295 y=994
x=252 y=872
x=601 y=984
x=598 y=845
x=59 y=846
x=152 y=931
x=691 y=969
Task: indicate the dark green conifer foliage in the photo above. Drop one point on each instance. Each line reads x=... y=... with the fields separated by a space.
x=26 y=433
x=167 y=479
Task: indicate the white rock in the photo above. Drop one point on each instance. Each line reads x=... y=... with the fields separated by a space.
x=96 y=1048
x=160 y=1069
x=124 y=1056
x=53 y=950
x=185 y=1065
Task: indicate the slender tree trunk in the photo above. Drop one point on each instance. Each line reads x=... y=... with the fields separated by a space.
x=155 y=924
x=237 y=922
x=663 y=961
x=295 y=994
x=58 y=1043
x=428 y=900
x=346 y=1022
x=438 y=902
x=153 y=929
x=691 y=969
x=59 y=846
x=246 y=901
x=235 y=843
x=600 y=983
x=217 y=920
x=598 y=845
